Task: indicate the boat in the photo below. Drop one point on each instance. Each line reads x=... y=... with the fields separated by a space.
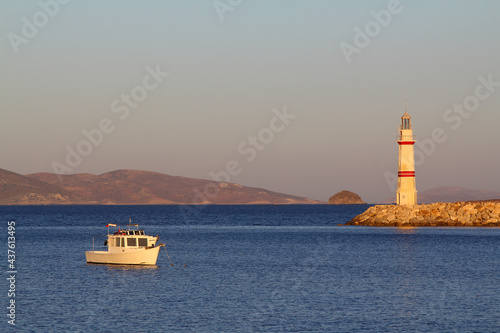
x=128 y=246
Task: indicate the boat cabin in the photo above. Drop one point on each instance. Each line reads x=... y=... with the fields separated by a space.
x=130 y=239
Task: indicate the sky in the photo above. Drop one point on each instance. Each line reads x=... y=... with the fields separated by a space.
x=301 y=97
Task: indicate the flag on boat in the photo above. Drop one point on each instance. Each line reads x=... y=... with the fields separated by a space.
x=110 y=225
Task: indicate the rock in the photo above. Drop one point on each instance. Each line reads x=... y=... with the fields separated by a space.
x=346 y=198
x=414 y=221
x=489 y=221
x=391 y=217
x=429 y=219
x=479 y=208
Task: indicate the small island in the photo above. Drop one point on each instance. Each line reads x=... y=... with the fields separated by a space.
x=457 y=214
x=346 y=198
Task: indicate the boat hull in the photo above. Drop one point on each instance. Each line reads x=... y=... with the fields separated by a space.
x=134 y=257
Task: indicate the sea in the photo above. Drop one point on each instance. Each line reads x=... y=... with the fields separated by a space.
x=246 y=268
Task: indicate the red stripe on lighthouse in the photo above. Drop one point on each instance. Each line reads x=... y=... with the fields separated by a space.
x=406 y=142
x=406 y=173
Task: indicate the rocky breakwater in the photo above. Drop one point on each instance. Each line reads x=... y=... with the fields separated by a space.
x=458 y=214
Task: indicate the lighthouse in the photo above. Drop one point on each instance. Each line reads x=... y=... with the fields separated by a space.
x=407 y=190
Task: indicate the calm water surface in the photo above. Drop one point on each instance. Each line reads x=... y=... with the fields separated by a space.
x=252 y=269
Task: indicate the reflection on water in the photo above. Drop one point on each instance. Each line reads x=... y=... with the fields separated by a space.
x=406 y=277
x=115 y=267
x=406 y=230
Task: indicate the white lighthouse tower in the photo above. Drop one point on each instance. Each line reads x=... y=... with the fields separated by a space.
x=407 y=190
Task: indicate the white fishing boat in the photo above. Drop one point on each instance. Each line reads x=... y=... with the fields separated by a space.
x=126 y=247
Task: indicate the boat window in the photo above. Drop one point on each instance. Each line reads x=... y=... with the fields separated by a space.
x=131 y=241
x=117 y=242
x=137 y=232
x=143 y=242
x=123 y=242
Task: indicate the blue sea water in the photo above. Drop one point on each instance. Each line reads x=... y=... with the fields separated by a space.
x=250 y=269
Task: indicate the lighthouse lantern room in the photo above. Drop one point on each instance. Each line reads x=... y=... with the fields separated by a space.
x=407 y=191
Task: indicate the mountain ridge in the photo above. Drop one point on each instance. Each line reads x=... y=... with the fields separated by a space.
x=123 y=187
x=451 y=194
x=17 y=189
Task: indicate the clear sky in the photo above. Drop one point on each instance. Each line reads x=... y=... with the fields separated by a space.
x=336 y=74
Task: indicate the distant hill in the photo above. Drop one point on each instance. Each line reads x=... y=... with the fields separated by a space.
x=131 y=187
x=19 y=189
x=346 y=198
x=452 y=194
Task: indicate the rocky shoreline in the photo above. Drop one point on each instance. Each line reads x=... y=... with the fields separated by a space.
x=457 y=214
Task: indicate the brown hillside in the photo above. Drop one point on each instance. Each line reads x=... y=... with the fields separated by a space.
x=16 y=189
x=144 y=187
